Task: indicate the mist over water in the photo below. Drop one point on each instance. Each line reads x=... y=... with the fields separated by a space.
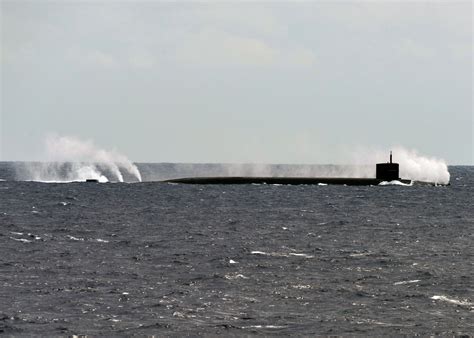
x=70 y=159
x=359 y=163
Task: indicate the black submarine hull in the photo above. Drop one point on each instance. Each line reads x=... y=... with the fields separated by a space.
x=385 y=172
x=284 y=180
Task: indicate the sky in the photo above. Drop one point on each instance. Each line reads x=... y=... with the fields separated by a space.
x=266 y=82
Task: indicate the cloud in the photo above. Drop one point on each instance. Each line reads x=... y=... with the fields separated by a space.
x=142 y=59
x=212 y=47
x=110 y=60
x=301 y=57
x=101 y=59
x=412 y=48
x=250 y=17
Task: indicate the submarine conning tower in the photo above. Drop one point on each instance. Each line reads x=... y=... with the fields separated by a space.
x=387 y=171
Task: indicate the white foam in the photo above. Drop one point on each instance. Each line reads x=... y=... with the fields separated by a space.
x=75 y=238
x=301 y=287
x=24 y=240
x=395 y=182
x=278 y=254
x=264 y=327
x=235 y=276
x=80 y=172
x=300 y=255
x=102 y=240
x=101 y=179
x=371 y=321
x=452 y=300
x=260 y=253
x=407 y=282
x=360 y=254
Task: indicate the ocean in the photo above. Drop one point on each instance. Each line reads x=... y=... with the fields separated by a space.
x=155 y=258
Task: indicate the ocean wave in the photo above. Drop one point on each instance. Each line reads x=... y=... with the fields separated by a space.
x=453 y=301
x=278 y=254
x=407 y=282
x=59 y=181
x=395 y=182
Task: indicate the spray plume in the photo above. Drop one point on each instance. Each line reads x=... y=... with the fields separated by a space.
x=71 y=159
x=413 y=166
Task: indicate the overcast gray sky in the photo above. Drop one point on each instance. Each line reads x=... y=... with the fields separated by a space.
x=287 y=82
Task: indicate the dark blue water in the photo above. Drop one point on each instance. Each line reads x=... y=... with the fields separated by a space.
x=153 y=258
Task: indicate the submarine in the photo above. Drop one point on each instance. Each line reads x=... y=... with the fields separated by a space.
x=385 y=172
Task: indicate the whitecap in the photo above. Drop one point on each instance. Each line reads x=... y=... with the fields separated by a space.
x=407 y=282
x=23 y=240
x=75 y=238
x=278 y=254
x=395 y=182
x=49 y=181
x=301 y=287
x=260 y=253
x=371 y=321
x=360 y=254
x=452 y=300
x=300 y=255
x=101 y=179
x=273 y=254
x=102 y=240
x=235 y=276
x=264 y=327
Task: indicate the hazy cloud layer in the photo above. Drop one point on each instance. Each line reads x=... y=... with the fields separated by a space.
x=238 y=82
